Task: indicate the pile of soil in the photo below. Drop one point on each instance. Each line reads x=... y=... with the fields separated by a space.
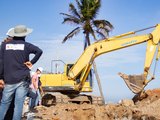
x=149 y=102
x=143 y=107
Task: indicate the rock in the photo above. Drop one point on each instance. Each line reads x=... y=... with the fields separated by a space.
x=126 y=102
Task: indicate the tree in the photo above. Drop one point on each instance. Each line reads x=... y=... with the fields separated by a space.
x=84 y=18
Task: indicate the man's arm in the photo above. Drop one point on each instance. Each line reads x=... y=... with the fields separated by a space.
x=36 y=51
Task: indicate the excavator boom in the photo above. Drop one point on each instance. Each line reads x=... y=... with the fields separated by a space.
x=136 y=83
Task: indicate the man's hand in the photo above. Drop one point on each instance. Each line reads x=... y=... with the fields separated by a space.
x=28 y=64
x=1 y=84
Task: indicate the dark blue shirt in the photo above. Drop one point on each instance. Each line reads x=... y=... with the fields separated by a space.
x=12 y=58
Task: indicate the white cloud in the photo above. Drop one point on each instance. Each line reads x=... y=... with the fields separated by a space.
x=54 y=49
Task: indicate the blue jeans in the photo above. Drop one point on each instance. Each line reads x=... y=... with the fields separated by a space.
x=20 y=91
x=34 y=99
x=38 y=100
x=33 y=96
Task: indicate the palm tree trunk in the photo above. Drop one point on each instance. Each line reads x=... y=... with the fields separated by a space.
x=98 y=81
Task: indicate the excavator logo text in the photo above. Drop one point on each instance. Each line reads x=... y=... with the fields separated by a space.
x=130 y=42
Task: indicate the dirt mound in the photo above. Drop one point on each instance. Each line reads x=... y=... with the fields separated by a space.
x=147 y=96
x=90 y=112
x=144 y=107
x=149 y=102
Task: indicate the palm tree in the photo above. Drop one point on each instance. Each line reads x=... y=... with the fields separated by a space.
x=84 y=18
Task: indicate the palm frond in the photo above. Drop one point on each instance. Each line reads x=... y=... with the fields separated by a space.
x=103 y=27
x=79 y=5
x=67 y=15
x=74 y=11
x=71 y=34
x=92 y=32
x=101 y=34
x=103 y=24
x=108 y=25
x=71 y=21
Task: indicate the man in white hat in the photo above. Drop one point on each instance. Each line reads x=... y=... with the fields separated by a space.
x=15 y=69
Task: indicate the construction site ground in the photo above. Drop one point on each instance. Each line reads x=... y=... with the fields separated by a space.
x=145 y=107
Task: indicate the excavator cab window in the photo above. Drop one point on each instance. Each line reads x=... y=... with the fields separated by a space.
x=68 y=68
x=57 y=66
x=89 y=78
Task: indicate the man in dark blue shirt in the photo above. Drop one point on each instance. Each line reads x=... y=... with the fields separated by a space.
x=14 y=69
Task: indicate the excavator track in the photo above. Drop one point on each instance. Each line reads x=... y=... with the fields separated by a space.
x=54 y=98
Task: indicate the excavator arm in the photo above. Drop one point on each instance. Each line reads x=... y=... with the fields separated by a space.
x=83 y=64
x=136 y=83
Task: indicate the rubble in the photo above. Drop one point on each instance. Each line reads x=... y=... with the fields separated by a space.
x=144 y=107
x=126 y=102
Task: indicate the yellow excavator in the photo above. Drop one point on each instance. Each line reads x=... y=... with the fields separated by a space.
x=66 y=87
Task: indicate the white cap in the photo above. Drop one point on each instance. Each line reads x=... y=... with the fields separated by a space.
x=40 y=69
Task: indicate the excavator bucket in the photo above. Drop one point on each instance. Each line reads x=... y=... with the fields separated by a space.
x=135 y=83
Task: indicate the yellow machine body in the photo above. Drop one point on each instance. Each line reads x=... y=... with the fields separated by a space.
x=56 y=82
x=76 y=77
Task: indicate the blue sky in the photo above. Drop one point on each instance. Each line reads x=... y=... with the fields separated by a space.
x=125 y=15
